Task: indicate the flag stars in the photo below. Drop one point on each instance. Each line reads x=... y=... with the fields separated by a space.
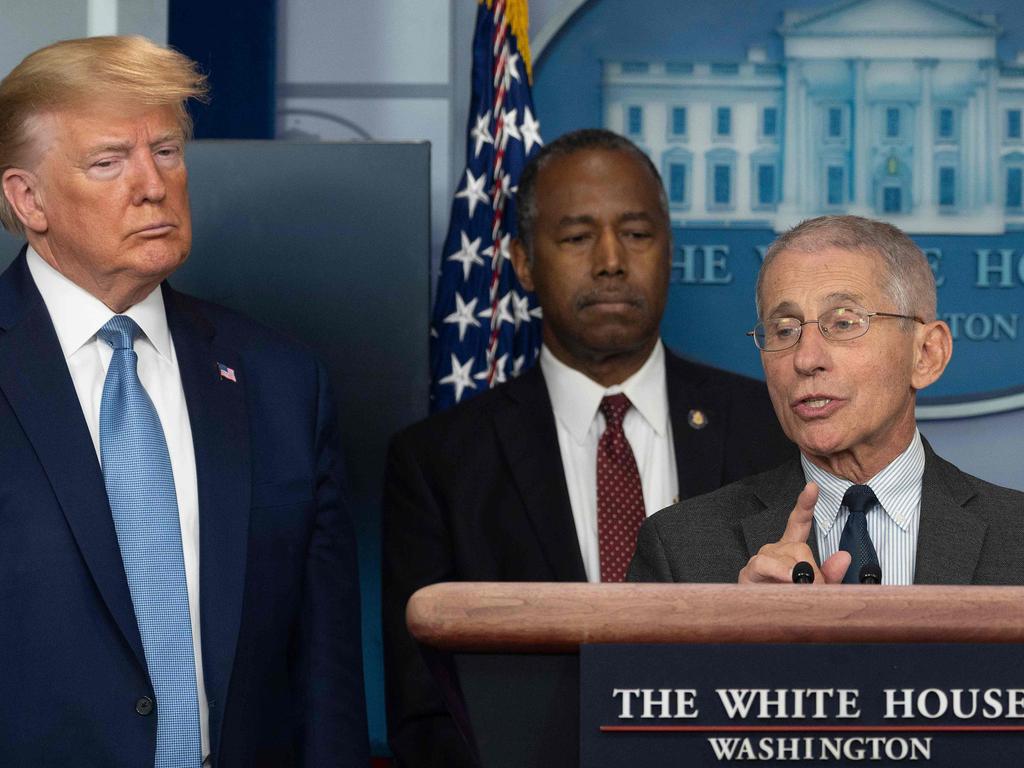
x=522 y=308
x=481 y=133
x=504 y=316
x=502 y=189
x=497 y=337
x=517 y=365
x=473 y=192
x=508 y=122
x=499 y=372
x=463 y=315
x=513 y=67
x=530 y=129
x=502 y=254
x=467 y=255
x=459 y=377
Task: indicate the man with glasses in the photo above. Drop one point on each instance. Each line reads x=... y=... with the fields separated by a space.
x=868 y=499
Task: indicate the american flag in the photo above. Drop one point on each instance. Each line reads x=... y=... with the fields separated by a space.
x=226 y=373
x=486 y=328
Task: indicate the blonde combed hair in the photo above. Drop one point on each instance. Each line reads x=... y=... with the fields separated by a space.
x=72 y=73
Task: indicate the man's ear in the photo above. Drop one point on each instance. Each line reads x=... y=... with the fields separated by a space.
x=933 y=347
x=521 y=263
x=21 y=188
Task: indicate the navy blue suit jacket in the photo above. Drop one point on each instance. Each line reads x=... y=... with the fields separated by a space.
x=278 y=584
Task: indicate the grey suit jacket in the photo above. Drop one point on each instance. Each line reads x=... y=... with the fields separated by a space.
x=971 y=532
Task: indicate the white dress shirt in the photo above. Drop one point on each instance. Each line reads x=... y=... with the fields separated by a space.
x=77 y=315
x=575 y=399
x=893 y=523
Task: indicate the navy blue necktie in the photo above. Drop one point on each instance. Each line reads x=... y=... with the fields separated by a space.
x=140 y=488
x=855 y=539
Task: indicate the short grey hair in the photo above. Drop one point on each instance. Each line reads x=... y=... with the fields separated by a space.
x=565 y=145
x=908 y=280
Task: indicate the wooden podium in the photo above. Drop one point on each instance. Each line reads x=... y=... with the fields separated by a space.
x=515 y=645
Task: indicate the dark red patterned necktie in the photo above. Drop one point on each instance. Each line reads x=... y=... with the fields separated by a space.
x=620 y=497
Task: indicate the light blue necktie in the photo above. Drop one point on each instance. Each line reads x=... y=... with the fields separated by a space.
x=140 y=487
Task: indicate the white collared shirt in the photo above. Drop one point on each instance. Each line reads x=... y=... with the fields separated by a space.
x=77 y=315
x=575 y=399
x=893 y=523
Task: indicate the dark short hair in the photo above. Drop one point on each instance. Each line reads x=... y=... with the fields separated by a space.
x=565 y=145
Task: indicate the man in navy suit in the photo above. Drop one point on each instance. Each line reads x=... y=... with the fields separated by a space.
x=243 y=647
x=505 y=486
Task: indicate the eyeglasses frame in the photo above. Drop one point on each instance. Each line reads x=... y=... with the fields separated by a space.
x=817 y=322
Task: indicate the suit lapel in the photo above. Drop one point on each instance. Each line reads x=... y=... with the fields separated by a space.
x=526 y=432
x=949 y=538
x=778 y=491
x=220 y=434
x=699 y=451
x=35 y=380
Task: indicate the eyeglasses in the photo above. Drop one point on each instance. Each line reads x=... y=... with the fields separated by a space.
x=839 y=324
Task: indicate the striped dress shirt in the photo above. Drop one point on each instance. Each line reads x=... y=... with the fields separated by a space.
x=892 y=523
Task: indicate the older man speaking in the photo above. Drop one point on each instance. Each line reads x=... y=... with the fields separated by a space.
x=177 y=570
x=848 y=336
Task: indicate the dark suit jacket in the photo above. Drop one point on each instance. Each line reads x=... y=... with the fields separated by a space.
x=477 y=493
x=971 y=532
x=278 y=585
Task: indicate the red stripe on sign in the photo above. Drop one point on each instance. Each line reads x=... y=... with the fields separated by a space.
x=812 y=728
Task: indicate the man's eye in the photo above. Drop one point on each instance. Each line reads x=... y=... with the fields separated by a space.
x=843 y=324
x=640 y=235
x=575 y=238
x=785 y=331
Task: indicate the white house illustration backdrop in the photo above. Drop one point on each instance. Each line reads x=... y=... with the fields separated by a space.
x=897 y=109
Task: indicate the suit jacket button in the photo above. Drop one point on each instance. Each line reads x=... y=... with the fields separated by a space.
x=144 y=706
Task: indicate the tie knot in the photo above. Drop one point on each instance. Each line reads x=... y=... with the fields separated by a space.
x=119 y=332
x=614 y=408
x=859 y=499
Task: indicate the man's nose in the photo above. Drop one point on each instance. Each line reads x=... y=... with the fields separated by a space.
x=147 y=180
x=609 y=254
x=812 y=352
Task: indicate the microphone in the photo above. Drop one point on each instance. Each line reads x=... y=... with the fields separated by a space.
x=870 y=573
x=803 y=573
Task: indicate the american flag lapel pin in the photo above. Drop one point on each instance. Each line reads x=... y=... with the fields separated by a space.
x=226 y=373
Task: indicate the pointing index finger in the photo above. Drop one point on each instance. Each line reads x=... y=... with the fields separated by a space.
x=798 y=527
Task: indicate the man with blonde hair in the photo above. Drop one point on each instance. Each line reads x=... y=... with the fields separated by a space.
x=178 y=567
x=848 y=335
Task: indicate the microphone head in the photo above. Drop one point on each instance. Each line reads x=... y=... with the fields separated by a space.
x=870 y=573
x=803 y=573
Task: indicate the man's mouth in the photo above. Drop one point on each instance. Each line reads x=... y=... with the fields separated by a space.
x=816 y=402
x=155 y=230
x=623 y=300
x=816 y=406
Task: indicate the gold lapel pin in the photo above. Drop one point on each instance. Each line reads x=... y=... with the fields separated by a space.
x=697 y=419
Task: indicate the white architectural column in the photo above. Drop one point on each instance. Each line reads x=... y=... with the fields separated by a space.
x=861 y=166
x=101 y=17
x=986 y=115
x=972 y=159
x=991 y=158
x=805 y=184
x=924 y=154
x=790 y=148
